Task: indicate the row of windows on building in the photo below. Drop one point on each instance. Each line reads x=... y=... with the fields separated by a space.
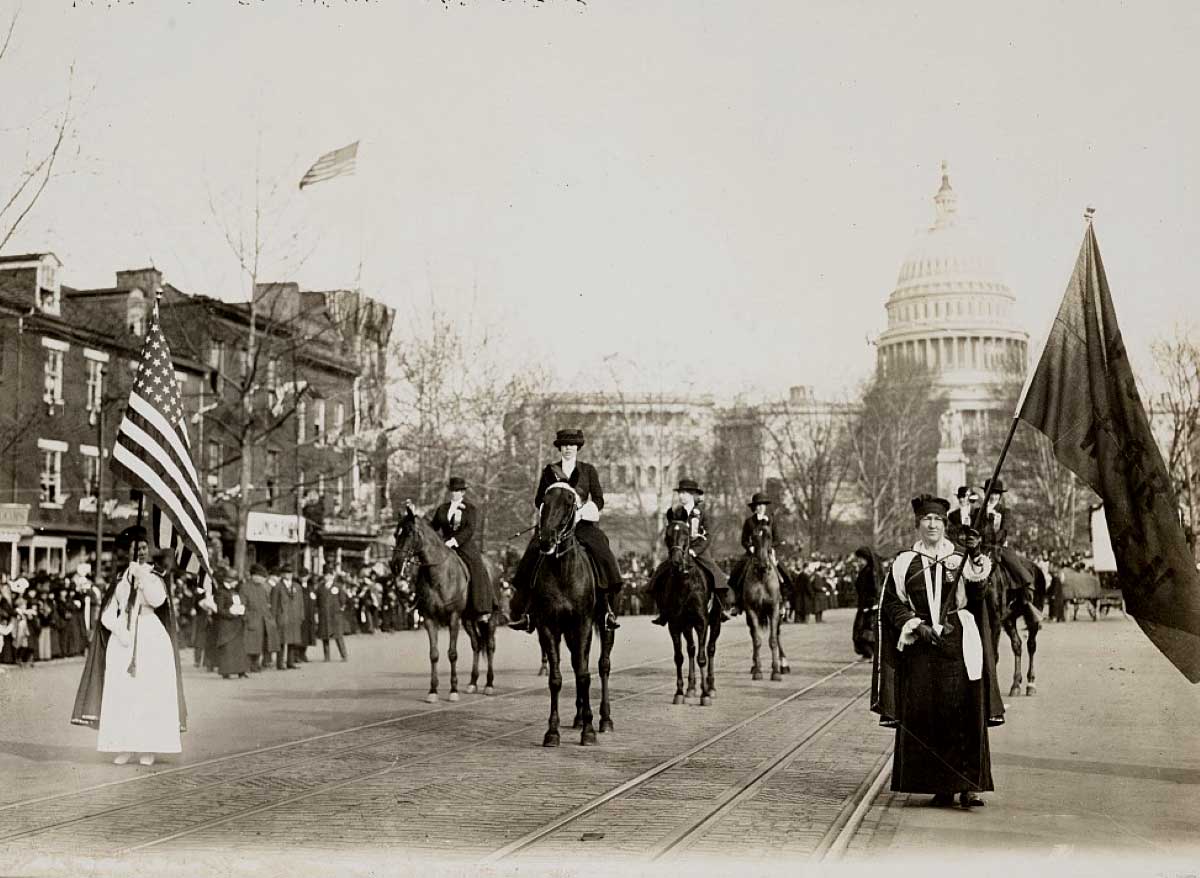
x=952 y=308
x=95 y=361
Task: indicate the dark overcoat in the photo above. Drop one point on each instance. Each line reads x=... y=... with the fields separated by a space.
x=697 y=520
x=462 y=528
x=331 y=610
x=586 y=482
x=287 y=606
x=262 y=634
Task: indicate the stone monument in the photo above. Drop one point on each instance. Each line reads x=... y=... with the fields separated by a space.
x=951 y=461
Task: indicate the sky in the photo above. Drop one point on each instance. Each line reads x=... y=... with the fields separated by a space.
x=691 y=196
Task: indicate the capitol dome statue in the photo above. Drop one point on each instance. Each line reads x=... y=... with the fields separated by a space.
x=952 y=312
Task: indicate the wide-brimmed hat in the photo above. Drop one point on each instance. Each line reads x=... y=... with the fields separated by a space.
x=996 y=487
x=132 y=534
x=759 y=497
x=962 y=491
x=690 y=486
x=258 y=570
x=927 y=504
x=456 y=484
x=568 y=437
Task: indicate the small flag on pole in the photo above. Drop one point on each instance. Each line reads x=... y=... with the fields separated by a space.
x=332 y=164
x=1083 y=397
x=153 y=454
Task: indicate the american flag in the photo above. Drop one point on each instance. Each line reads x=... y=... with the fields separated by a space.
x=153 y=454
x=332 y=164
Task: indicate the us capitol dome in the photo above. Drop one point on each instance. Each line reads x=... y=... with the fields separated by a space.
x=952 y=312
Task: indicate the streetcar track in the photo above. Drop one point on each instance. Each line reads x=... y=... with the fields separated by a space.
x=536 y=835
x=216 y=760
x=749 y=786
x=327 y=788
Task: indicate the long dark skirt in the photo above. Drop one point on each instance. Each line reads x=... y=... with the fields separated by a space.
x=863 y=633
x=941 y=740
x=481 y=595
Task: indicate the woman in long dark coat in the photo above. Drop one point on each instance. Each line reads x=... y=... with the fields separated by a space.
x=331 y=616
x=866 y=587
x=231 y=631
x=455 y=522
x=931 y=677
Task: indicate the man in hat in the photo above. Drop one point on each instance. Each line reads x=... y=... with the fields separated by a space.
x=962 y=517
x=758 y=515
x=261 y=632
x=586 y=482
x=455 y=522
x=287 y=606
x=994 y=532
x=932 y=681
x=690 y=511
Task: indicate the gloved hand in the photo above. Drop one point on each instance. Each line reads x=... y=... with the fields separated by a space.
x=926 y=633
x=973 y=542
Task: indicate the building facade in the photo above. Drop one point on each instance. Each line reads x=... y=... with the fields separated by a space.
x=951 y=312
x=67 y=361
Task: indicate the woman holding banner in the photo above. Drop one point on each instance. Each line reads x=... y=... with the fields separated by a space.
x=131 y=689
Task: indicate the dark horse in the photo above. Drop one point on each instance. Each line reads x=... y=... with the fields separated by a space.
x=762 y=600
x=562 y=602
x=689 y=611
x=441 y=587
x=1010 y=602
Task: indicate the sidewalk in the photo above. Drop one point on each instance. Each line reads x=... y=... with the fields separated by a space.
x=1102 y=764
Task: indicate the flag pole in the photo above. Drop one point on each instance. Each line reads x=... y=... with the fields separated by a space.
x=1089 y=214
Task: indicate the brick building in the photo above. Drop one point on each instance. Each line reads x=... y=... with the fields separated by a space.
x=67 y=359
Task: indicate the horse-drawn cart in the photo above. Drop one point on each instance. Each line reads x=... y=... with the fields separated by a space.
x=1097 y=591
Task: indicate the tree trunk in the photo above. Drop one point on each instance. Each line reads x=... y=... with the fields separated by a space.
x=240 y=547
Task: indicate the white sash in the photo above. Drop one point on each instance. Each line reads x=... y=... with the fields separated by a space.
x=972 y=644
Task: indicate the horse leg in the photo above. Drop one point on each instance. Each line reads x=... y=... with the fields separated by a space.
x=702 y=635
x=607 y=639
x=1032 y=626
x=489 y=631
x=1014 y=637
x=773 y=641
x=550 y=655
x=580 y=645
x=677 y=643
x=472 y=629
x=452 y=654
x=691 y=651
x=784 y=667
x=431 y=630
x=714 y=631
x=755 y=643
x=544 y=668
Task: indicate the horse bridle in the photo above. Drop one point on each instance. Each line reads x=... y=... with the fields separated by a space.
x=687 y=556
x=562 y=536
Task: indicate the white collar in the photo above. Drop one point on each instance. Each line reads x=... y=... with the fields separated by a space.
x=568 y=468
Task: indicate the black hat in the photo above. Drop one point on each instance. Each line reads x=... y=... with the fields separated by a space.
x=690 y=486
x=132 y=534
x=759 y=497
x=996 y=488
x=456 y=484
x=568 y=437
x=927 y=504
x=258 y=570
x=963 y=491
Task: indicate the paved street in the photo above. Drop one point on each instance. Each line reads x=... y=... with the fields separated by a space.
x=346 y=764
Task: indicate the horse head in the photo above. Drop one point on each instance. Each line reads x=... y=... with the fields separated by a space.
x=760 y=542
x=679 y=539
x=556 y=519
x=407 y=538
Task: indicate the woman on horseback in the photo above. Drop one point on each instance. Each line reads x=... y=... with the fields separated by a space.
x=455 y=521
x=758 y=516
x=689 y=510
x=586 y=482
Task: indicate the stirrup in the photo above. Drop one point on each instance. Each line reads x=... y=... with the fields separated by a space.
x=610 y=621
x=522 y=624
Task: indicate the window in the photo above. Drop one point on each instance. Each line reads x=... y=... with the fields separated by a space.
x=319 y=423
x=272 y=477
x=91 y=471
x=95 y=388
x=272 y=382
x=339 y=497
x=213 y=466
x=216 y=362
x=321 y=487
x=49 y=293
x=53 y=392
x=243 y=362
x=301 y=425
x=51 y=475
x=137 y=321
x=339 y=421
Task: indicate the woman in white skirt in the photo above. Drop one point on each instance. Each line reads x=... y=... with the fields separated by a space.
x=138 y=708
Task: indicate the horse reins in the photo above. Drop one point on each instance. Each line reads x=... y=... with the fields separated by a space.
x=562 y=535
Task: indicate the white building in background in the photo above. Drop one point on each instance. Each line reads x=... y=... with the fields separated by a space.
x=952 y=311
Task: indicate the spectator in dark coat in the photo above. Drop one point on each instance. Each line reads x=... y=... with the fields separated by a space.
x=231 y=629
x=262 y=634
x=331 y=613
x=287 y=606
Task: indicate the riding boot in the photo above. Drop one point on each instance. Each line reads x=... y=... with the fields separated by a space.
x=610 y=618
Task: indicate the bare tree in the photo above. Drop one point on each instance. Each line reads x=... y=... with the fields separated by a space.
x=1178 y=408
x=892 y=442
x=809 y=446
x=42 y=147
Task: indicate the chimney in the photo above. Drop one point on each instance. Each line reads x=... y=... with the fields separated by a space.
x=148 y=280
x=800 y=394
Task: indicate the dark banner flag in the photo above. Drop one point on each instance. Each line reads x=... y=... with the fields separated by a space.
x=1083 y=397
